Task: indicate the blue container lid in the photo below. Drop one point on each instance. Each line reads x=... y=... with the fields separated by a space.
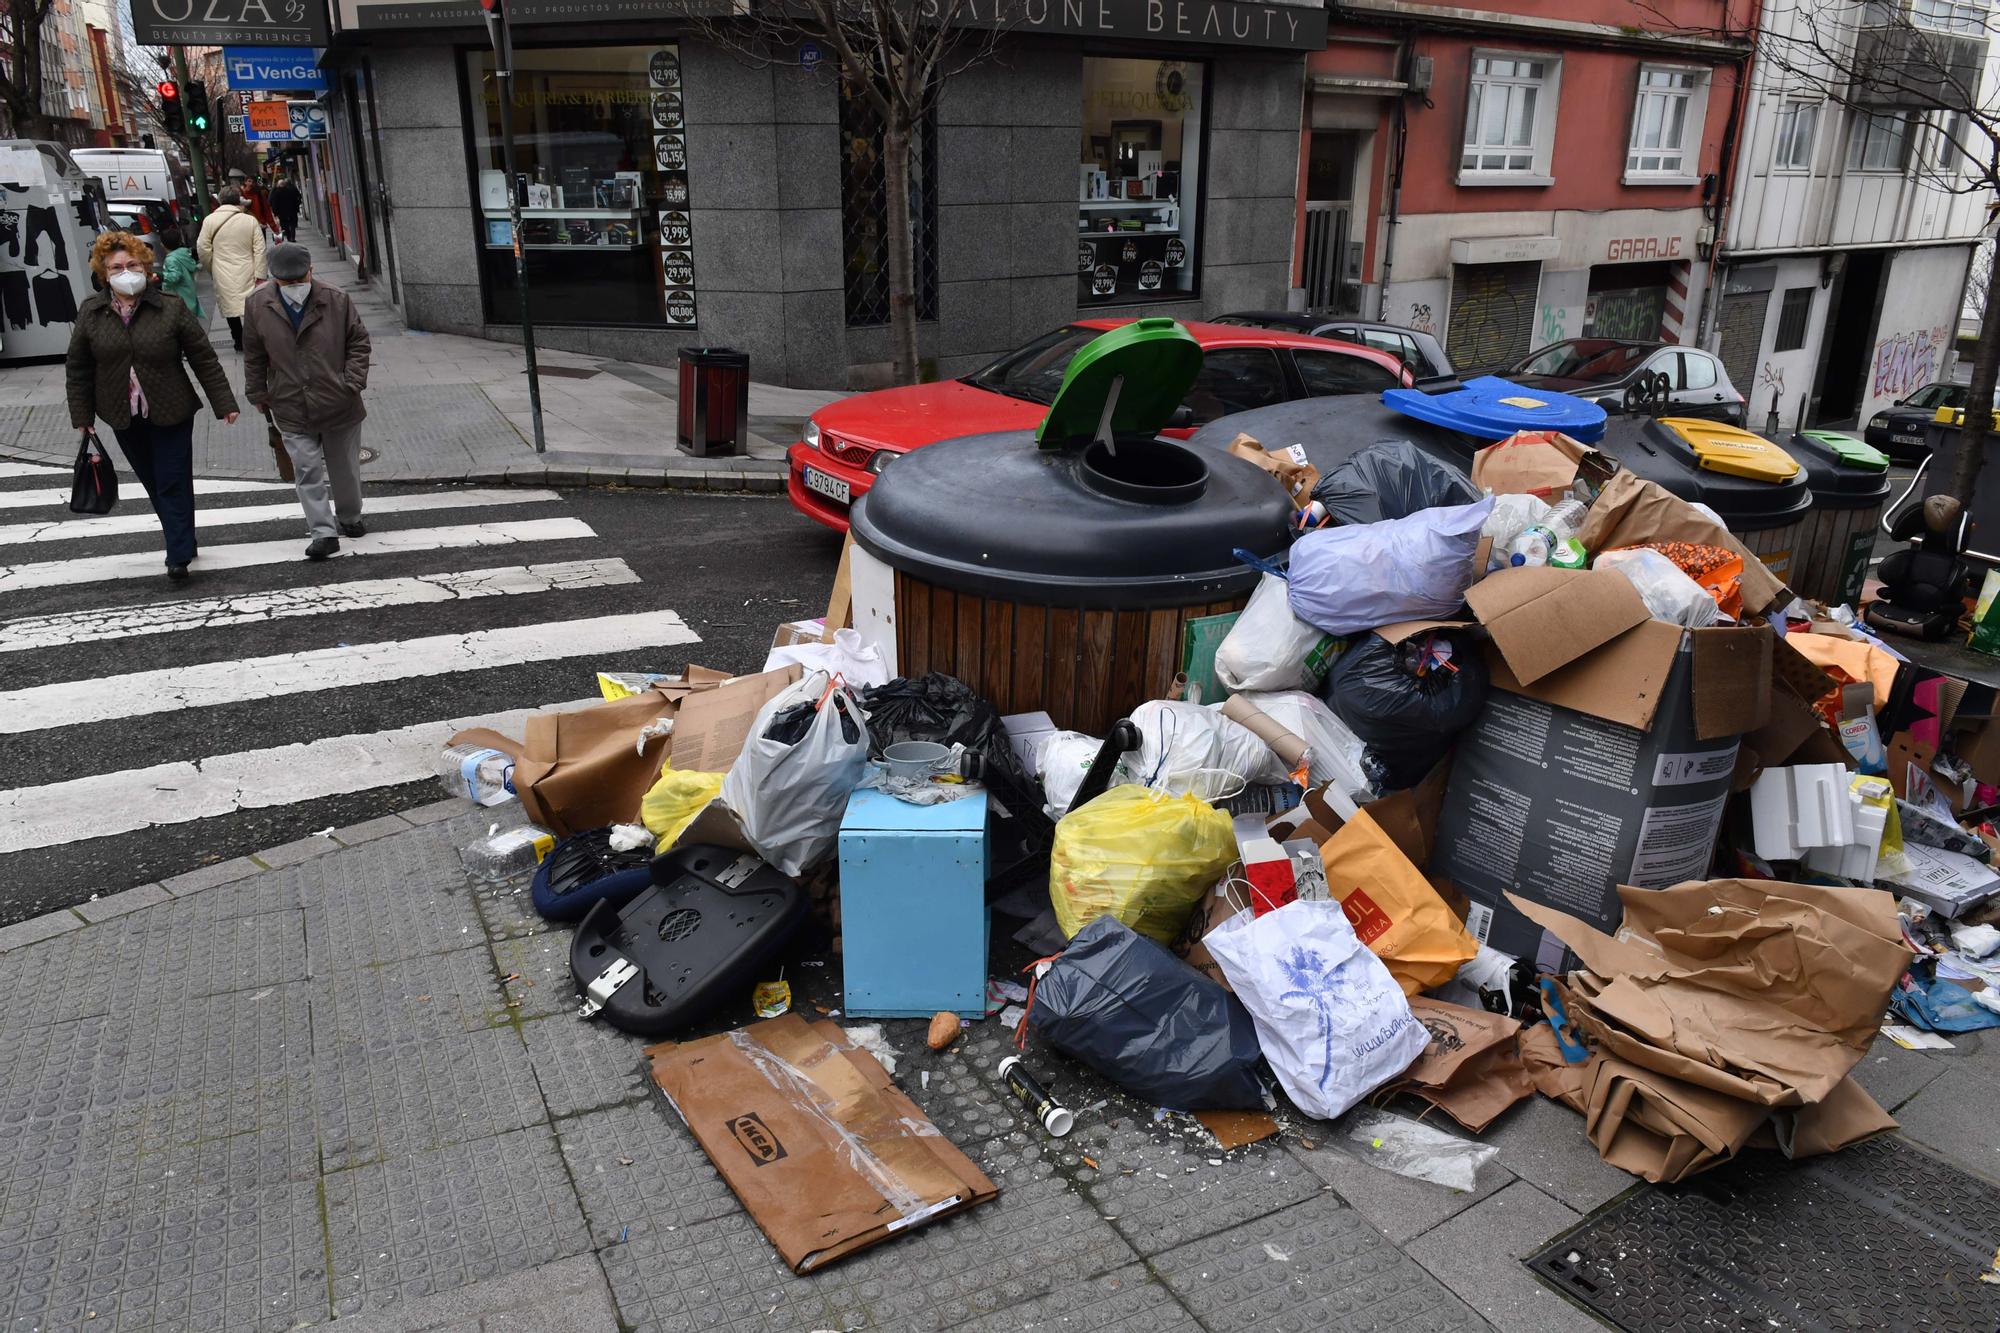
x=1491 y=408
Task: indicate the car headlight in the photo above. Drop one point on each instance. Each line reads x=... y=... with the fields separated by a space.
x=812 y=434
x=1879 y=419
x=880 y=459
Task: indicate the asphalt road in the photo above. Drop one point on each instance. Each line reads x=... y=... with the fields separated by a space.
x=732 y=568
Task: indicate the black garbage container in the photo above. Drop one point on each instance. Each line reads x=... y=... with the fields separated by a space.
x=1850 y=484
x=1756 y=489
x=714 y=402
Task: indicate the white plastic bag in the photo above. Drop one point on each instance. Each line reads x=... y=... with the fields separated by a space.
x=1337 y=753
x=859 y=664
x=789 y=798
x=1330 y=1018
x=1063 y=760
x=1269 y=648
x=1665 y=588
x=1512 y=515
x=1346 y=580
x=1179 y=739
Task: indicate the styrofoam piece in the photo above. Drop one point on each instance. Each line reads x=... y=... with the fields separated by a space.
x=1858 y=859
x=1800 y=807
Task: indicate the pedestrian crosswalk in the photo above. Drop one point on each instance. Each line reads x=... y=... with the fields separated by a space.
x=275 y=692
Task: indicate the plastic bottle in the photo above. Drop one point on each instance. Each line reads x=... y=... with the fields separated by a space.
x=1565 y=518
x=507 y=853
x=1532 y=547
x=477 y=773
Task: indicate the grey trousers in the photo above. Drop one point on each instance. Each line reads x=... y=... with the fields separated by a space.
x=327 y=469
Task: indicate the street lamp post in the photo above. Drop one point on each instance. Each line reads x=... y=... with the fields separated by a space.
x=503 y=56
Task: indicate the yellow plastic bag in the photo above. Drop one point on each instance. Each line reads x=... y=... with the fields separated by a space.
x=673 y=802
x=1142 y=856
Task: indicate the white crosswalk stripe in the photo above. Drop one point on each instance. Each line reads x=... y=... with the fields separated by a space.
x=42 y=498
x=117 y=525
x=147 y=564
x=11 y=470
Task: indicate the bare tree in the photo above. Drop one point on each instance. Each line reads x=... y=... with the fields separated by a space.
x=1922 y=85
x=896 y=56
x=23 y=79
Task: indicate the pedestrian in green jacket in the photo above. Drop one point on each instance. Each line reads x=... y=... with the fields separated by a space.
x=177 y=270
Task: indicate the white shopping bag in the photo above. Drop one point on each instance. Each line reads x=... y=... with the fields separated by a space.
x=1330 y=1018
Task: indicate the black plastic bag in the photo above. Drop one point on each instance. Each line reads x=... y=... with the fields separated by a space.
x=939 y=708
x=1391 y=479
x=1408 y=720
x=1141 y=1017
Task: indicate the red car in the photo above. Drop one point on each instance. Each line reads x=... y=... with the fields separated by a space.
x=848 y=443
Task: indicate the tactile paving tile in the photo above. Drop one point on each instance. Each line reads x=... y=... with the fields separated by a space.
x=412 y=999
x=542 y=961
x=640 y=1172
x=507 y=908
x=433 y=1221
x=1164 y=1185
x=390 y=1097
x=965 y=1108
x=45 y=1162
x=252 y=1260
x=1130 y=1300
x=136 y=962
x=583 y=1066
x=207 y=1043
x=1878 y=1235
x=1313 y=1267
x=53 y=1068
x=396 y=898
x=273 y=891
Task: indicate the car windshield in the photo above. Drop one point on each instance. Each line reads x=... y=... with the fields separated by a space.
x=1933 y=396
x=1585 y=359
x=1035 y=372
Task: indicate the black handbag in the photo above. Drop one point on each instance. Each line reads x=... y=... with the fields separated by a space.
x=95 y=488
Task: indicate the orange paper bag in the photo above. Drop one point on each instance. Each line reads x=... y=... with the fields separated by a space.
x=1393 y=908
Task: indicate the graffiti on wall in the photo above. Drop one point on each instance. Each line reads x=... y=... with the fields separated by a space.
x=1629 y=312
x=1488 y=318
x=1420 y=318
x=1907 y=361
x=1554 y=317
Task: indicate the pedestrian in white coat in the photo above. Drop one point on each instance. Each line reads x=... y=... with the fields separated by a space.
x=231 y=248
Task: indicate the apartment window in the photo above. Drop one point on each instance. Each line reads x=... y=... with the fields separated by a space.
x=1798 y=130
x=1666 y=122
x=1509 y=119
x=1949 y=155
x=1948 y=15
x=1792 y=317
x=1879 y=141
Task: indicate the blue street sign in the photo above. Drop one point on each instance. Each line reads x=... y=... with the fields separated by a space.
x=252 y=69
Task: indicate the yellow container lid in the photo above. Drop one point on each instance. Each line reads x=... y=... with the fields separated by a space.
x=1732 y=451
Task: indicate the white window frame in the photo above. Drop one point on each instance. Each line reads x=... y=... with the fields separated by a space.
x=1965 y=17
x=1694 y=119
x=1860 y=135
x=1540 y=149
x=1786 y=155
x=1945 y=158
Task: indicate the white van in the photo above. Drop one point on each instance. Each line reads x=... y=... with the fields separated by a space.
x=140 y=173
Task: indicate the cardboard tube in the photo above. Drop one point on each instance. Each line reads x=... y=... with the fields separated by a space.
x=1288 y=746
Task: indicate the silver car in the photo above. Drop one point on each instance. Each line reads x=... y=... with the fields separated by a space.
x=1661 y=379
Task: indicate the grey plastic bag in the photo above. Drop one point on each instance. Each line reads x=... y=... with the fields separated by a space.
x=1141 y=1017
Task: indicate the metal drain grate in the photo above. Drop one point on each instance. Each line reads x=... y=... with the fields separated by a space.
x=1879 y=1236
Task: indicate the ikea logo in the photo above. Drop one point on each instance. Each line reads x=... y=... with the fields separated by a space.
x=757 y=1139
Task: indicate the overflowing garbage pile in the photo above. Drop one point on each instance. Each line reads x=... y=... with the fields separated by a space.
x=1536 y=783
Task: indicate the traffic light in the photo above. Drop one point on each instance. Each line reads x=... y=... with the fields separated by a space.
x=170 y=106
x=197 y=106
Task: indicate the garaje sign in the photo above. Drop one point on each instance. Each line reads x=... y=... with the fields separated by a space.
x=228 y=22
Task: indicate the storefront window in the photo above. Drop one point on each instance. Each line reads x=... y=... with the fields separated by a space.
x=1138 y=182
x=600 y=157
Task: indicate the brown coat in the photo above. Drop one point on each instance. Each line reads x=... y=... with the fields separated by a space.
x=104 y=350
x=313 y=376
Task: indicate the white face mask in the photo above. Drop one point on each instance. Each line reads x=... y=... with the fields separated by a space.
x=295 y=292
x=128 y=283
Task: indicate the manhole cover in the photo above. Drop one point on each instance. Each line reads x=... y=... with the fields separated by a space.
x=679 y=924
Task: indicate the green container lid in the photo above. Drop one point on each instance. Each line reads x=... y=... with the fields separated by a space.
x=1158 y=360
x=1849 y=451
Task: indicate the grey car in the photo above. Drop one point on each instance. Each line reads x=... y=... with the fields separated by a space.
x=1418 y=350
x=1661 y=379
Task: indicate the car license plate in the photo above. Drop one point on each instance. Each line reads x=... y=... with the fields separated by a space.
x=833 y=488
x=1907 y=439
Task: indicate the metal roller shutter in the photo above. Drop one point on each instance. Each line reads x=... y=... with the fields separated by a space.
x=1492 y=316
x=1739 y=328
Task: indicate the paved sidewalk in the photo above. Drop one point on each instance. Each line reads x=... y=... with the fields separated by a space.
x=336 y=1081
x=448 y=408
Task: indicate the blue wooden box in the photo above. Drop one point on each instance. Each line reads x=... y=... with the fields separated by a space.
x=913 y=918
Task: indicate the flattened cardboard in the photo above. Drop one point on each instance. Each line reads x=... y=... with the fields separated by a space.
x=711 y=727
x=825 y=1153
x=1621 y=682
x=1543 y=618
x=1732 y=680
x=1234 y=1129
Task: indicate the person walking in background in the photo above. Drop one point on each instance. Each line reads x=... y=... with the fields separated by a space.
x=305 y=360
x=126 y=364
x=231 y=247
x=177 y=270
x=285 y=203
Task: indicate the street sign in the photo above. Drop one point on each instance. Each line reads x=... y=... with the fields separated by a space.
x=259 y=69
x=308 y=120
x=224 y=22
x=267 y=122
x=235 y=125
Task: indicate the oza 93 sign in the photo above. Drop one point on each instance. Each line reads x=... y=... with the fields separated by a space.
x=230 y=22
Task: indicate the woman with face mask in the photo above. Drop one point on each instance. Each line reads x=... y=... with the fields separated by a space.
x=129 y=354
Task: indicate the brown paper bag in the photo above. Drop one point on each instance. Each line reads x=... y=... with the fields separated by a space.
x=1536 y=462
x=1762 y=991
x=584 y=769
x=1631 y=511
x=1393 y=908
x=1472 y=1069
x=1298 y=479
x=1216 y=907
x=825 y=1153
x=1663 y=1129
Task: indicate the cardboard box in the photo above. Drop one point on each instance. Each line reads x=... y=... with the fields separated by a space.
x=712 y=725
x=825 y=1153
x=1601 y=759
x=1025 y=734
x=795 y=632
